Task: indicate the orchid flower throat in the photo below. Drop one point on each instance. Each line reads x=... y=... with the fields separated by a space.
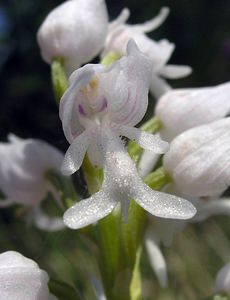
x=92 y=105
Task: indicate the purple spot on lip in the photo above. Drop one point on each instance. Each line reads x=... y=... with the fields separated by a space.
x=104 y=105
x=81 y=110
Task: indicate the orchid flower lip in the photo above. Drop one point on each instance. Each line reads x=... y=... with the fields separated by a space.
x=121 y=183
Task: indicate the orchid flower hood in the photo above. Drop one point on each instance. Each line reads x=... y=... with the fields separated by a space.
x=100 y=105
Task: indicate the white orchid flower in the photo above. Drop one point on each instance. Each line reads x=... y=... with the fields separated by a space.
x=198 y=159
x=75 y=31
x=159 y=52
x=22 y=279
x=22 y=176
x=222 y=282
x=100 y=105
x=182 y=109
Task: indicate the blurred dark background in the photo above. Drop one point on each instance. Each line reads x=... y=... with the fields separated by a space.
x=200 y=30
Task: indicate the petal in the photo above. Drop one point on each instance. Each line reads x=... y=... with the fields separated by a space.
x=159 y=86
x=90 y=210
x=144 y=139
x=45 y=222
x=121 y=19
x=70 y=122
x=155 y=22
x=75 y=154
x=12 y=138
x=126 y=85
x=160 y=52
x=161 y=204
x=156 y=258
x=174 y=72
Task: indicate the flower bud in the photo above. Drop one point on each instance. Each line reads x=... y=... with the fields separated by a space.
x=22 y=279
x=183 y=109
x=74 y=31
x=198 y=160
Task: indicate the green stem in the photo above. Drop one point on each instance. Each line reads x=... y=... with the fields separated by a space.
x=110 y=251
x=93 y=176
x=59 y=78
x=135 y=285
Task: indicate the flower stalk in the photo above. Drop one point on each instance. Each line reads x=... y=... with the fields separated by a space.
x=59 y=78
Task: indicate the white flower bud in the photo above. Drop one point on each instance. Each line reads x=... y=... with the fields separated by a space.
x=222 y=282
x=198 y=160
x=75 y=31
x=183 y=109
x=22 y=279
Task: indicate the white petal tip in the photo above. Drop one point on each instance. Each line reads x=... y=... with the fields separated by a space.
x=190 y=211
x=67 y=171
x=165 y=10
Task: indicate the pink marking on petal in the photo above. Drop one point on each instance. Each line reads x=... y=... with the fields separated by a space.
x=104 y=105
x=81 y=110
